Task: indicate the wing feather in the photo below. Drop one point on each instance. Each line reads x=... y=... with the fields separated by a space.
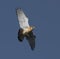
x=31 y=39
x=22 y=18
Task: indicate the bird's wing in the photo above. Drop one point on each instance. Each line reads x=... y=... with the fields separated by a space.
x=20 y=35
x=22 y=18
x=31 y=39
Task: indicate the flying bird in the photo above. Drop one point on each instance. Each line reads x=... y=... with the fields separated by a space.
x=25 y=29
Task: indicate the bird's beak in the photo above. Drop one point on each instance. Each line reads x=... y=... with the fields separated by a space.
x=33 y=27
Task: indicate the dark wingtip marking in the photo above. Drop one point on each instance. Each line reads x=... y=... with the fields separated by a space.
x=20 y=35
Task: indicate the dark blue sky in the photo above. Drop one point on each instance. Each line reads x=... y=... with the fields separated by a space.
x=45 y=15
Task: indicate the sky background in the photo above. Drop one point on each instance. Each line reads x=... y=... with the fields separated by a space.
x=45 y=15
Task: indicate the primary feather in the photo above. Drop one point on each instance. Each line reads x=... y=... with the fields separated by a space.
x=22 y=18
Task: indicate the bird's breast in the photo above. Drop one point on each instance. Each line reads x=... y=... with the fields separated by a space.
x=27 y=30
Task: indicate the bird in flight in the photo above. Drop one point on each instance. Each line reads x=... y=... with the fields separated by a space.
x=25 y=29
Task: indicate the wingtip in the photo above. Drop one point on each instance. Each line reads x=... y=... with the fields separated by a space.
x=18 y=8
x=32 y=49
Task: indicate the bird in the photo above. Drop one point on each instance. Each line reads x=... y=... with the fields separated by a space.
x=25 y=29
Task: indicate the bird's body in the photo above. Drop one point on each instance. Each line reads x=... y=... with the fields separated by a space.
x=26 y=29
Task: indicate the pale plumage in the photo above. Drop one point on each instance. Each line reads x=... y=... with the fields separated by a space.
x=23 y=21
x=22 y=18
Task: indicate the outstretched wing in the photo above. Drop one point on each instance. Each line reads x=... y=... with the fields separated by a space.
x=20 y=35
x=31 y=39
x=22 y=18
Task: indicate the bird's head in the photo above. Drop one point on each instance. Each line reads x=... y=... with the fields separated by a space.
x=28 y=29
x=32 y=27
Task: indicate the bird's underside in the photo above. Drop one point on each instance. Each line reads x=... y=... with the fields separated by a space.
x=29 y=36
